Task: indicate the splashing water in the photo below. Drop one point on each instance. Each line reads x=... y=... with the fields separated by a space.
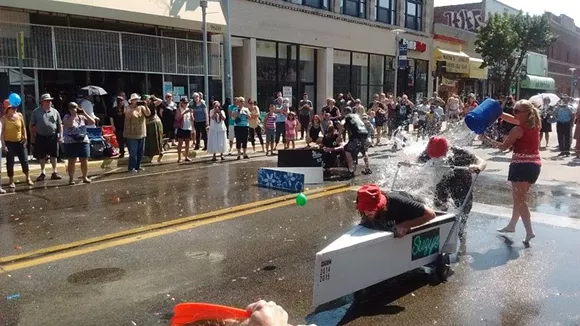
x=421 y=180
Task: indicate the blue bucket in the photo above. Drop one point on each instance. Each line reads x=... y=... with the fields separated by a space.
x=483 y=116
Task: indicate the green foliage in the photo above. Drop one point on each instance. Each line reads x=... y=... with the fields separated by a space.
x=505 y=40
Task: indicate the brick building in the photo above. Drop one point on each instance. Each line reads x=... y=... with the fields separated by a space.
x=564 y=54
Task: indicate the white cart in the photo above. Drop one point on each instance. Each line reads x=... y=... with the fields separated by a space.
x=363 y=257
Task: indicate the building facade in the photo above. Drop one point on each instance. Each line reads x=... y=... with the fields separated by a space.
x=564 y=55
x=319 y=47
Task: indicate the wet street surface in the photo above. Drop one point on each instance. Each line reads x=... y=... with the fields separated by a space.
x=266 y=249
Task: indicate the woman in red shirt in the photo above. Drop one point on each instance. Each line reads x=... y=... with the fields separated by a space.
x=470 y=104
x=526 y=161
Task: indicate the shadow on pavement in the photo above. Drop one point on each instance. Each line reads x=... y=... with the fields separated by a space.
x=495 y=257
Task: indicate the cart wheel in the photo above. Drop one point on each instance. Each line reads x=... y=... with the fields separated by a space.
x=443 y=267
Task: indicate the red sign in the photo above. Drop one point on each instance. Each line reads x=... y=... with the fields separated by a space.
x=416 y=46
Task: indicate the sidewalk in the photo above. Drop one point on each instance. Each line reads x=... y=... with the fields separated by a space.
x=111 y=163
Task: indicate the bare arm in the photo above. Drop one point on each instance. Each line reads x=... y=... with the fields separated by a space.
x=2 y=134
x=145 y=110
x=514 y=135
x=88 y=119
x=479 y=165
x=510 y=118
x=406 y=225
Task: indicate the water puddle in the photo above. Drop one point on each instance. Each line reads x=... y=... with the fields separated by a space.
x=96 y=276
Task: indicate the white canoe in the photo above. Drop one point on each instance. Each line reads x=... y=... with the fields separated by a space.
x=363 y=257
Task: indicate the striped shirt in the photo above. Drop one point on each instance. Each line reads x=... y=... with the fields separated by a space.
x=270 y=123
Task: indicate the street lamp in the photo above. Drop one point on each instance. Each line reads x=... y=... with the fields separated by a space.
x=396 y=65
x=572 y=86
x=203 y=5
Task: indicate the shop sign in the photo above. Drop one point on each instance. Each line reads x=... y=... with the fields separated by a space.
x=538 y=82
x=402 y=55
x=456 y=64
x=167 y=87
x=415 y=45
x=287 y=93
x=447 y=82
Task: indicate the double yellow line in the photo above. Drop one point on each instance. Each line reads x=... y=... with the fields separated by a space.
x=81 y=247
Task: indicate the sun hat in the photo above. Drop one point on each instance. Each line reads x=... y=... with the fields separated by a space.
x=45 y=97
x=437 y=147
x=134 y=96
x=370 y=198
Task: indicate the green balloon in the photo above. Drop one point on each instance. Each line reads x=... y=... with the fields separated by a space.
x=301 y=199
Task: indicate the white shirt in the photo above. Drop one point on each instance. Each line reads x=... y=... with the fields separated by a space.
x=89 y=109
x=423 y=110
x=440 y=112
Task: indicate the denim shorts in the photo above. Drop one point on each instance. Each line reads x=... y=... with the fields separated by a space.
x=524 y=172
x=270 y=135
x=80 y=150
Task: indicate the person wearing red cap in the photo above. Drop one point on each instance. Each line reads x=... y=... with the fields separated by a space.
x=455 y=183
x=396 y=211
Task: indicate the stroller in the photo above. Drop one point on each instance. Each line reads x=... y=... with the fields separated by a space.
x=100 y=146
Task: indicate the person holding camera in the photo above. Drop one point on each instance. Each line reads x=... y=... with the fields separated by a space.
x=135 y=131
x=76 y=141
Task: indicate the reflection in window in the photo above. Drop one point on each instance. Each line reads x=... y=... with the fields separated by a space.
x=360 y=75
x=307 y=64
x=266 y=60
x=386 y=11
x=320 y=4
x=341 y=72
x=414 y=15
x=287 y=62
x=389 y=74
x=356 y=8
x=421 y=73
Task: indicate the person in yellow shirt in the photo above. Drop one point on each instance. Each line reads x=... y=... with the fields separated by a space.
x=14 y=143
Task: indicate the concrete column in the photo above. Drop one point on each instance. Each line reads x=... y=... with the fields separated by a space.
x=428 y=14
x=250 y=80
x=401 y=12
x=336 y=5
x=372 y=9
x=325 y=74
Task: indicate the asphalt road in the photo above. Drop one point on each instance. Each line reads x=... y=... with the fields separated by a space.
x=265 y=249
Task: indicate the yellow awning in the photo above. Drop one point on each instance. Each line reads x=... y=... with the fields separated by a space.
x=455 y=62
x=474 y=69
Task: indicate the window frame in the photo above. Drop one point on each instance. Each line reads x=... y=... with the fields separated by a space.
x=321 y=3
x=418 y=15
x=361 y=6
x=392 y=12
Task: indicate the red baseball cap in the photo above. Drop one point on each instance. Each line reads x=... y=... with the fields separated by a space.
x=437 y=147
x=370 y=198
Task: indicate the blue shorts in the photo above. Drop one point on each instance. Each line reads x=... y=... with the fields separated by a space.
x=80 y=150
x=270 y=135
x=524 y=172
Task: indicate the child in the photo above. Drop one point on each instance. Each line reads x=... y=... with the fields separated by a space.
x=370 y=128
x=270 y=126
x=291 y=130
x=314 y=130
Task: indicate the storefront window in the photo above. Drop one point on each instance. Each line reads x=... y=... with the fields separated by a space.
x=320 y=4
x=414 y=15
x=356 y=8
x=386 y=11
x=287 y=62
x=341 y=75
x=389 y=85
x=360 y=76
x=376 y=74
x=266 y=60
x=421 y=80
x=307 y=64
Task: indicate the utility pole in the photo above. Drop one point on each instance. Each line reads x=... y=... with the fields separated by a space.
x=397 y=32
x=229 y=90
x=20 y=43
x=203 y=5
x=573 y=81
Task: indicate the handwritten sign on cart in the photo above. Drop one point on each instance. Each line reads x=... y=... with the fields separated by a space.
x=425 y=244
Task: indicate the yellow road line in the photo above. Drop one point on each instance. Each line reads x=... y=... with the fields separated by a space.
x=156 y=233
x=110 y=236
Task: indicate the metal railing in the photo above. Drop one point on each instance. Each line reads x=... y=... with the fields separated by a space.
x=69 y=48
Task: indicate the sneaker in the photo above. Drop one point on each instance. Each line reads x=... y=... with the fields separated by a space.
x=41 y=177
x=11 y=185
x=133 y=171
x=86 y=180
x=55 y=176
x=367 y=171
x=187 y=159
x=246 y=156
x=204 y=149
x=213 y=159
x=71 y=182
x=29 y=182
x=140 y=169
x=2 y=191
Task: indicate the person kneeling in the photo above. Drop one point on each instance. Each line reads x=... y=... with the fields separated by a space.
x=396 y=211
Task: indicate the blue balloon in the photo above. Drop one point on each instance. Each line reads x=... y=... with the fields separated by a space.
x=14 y=99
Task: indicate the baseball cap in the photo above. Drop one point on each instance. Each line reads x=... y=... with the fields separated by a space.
x=437 y=147
x=370 y=198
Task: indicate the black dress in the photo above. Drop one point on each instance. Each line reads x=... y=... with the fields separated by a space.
x=546 y=114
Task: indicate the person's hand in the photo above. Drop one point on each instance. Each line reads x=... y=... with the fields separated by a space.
x=400 y=231
x=266 y=314
x=4 y=149
x=114 y=129
x=206 y=127
x=24 y=141
x=327 y=149
x=474 y=168
x=60 y=139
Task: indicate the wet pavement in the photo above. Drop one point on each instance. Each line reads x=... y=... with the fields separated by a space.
x=270 y=253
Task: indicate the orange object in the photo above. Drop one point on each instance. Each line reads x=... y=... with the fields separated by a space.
x=185 y=313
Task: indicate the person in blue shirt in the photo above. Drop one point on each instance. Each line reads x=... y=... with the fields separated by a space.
x=201 y=123
x=564 y=123
x=231 y=135
x=241 y=116
x=282 y=110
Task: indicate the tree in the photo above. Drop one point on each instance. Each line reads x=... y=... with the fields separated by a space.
x=504 y=41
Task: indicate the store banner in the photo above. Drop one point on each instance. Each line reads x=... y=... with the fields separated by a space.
x=403 y=52
x=447 y=82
